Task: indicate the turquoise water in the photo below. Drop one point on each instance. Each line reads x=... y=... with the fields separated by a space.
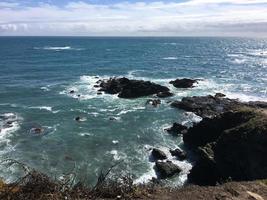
x=37 y=73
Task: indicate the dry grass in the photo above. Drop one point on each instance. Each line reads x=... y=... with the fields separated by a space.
x=35 y=185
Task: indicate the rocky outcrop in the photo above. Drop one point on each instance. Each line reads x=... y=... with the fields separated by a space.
x=231 y=146
x=211 y=106
x=167 y=169
x=209 y=129
x=177 y=129
x=126 y=88
x=158 y=154
x=181 y=155
x=183 y=83
x=164 y=94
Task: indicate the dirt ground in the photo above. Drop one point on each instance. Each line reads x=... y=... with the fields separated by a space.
x=255 y=190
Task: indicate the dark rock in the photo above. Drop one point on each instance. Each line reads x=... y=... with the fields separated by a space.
x=177 y=129
x=96 y=86
x=78 y=118
x=158 y=154
x=208 y=130
x=207 y=106
x=230 y=146
x=178 y=153
x=37 y=131
x=167 y=169
x=183 y=83
x=78 y=95
x=153 y=102
x=72 y=92
x=258 y=104
x=99 y=93
x=126 y=88
x=219 y=95
x=164 y=94
x=211 y=106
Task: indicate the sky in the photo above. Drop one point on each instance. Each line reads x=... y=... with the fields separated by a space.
x=246 y=18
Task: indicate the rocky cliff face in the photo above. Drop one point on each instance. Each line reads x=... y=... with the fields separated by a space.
x=231 y=146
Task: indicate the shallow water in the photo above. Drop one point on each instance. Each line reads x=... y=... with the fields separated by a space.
x=37 y=73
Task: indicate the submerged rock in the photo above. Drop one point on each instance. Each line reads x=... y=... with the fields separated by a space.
x=177 y=129
x=167 y=169
x=158 y=154
x=126 y=88
x=183 y=83
x=178 y=153
x=36 y=131
x=153 y=102
x=230 y=146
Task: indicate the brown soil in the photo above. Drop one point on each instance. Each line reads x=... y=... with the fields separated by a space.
x=255 y=190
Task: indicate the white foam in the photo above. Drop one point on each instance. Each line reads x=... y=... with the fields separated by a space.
x=48 y=108
x=45 y=88
x=9 y=123
x=239 y=61
x=258 y=52
x=170 y=58
x=115 y=141
x=115 y=154
x=85 y=134
x=244 y=97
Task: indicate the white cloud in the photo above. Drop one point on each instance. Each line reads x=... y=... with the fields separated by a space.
x=194 y=17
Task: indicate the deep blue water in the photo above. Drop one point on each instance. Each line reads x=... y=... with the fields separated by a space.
x=37 y=73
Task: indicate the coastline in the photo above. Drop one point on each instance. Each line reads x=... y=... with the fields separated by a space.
x=217 y=110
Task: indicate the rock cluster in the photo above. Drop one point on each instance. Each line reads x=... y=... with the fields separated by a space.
x=126 y=88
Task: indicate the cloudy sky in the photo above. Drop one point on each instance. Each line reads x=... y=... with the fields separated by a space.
x=134 y=17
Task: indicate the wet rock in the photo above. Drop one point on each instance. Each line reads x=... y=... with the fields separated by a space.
x=153 y=102
x=37 y=131
x=158 y=154
x=72 y=92
x=167 y=169
x=99 y=93
x=183 y=83
x=207 y=106
x=211 y=106
x=126 y=88
x=78 y=118
x=230 y=146
x=164 y=94
x=177 y=129
x=178 y=153
x=219 y=95
x=96 y=86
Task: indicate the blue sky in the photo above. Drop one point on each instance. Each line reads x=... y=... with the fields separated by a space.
x=134 y=17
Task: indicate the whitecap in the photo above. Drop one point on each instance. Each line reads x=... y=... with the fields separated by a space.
x=170 y=58
x=239 y=61
x=45 y=88
x=57 y=48
x=48 y=108
x=115 y=141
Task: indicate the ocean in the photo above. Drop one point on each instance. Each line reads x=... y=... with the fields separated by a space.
x=38 y=73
